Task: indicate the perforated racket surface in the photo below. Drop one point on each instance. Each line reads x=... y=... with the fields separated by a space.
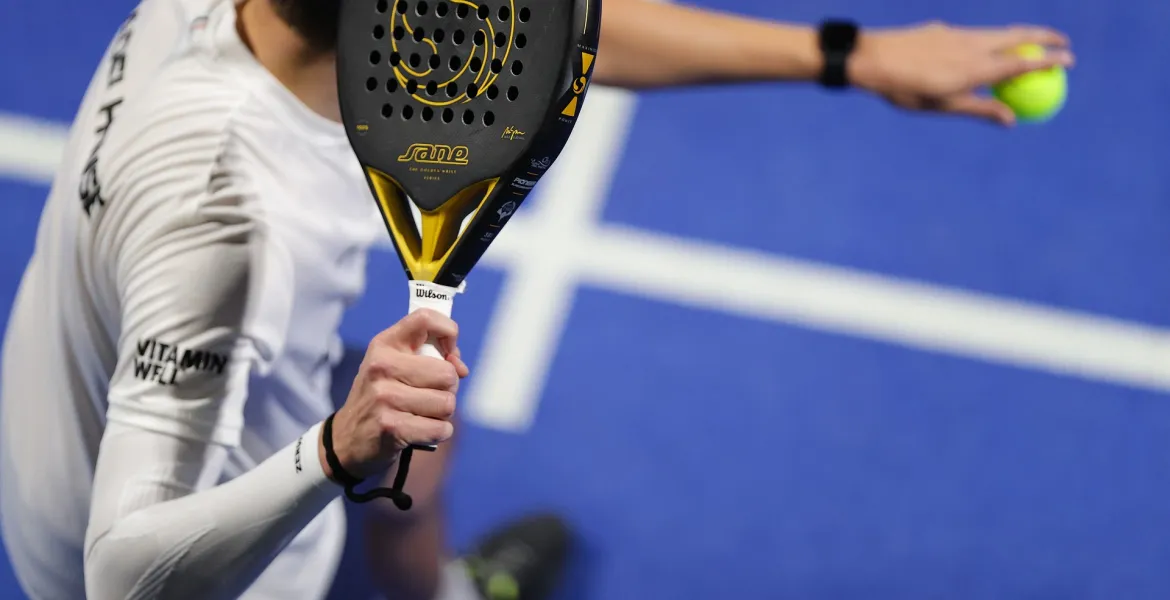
x=459 y=108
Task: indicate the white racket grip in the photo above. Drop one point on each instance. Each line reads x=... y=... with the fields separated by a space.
x=439 y=298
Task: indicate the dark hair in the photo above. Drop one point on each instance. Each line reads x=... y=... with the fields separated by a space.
x=315 y=20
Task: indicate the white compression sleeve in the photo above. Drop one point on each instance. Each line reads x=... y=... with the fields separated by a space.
x=154 y=533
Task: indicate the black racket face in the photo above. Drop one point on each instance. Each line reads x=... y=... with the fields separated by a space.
x=460 y=107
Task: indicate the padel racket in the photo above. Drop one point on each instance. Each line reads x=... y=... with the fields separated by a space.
x=455 y=109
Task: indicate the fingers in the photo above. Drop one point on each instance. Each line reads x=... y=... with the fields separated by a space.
x=407 y=429
x=412 y=370
x=416 y=329
x=400 y=398
x=1019 y=35
x=1007 y=38
x=410 y=333
x=1013 y=65
x=410 y=396
x=429 y=403
x=981 y=107
x=456 y=358
x=1008 y=52
x=411 y=414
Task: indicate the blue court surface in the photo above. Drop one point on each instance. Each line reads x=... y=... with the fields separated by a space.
x=951 y=378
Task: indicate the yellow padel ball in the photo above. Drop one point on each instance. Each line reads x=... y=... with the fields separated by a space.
x=1037 y=96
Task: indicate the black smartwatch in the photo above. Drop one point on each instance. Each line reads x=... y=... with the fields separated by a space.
x=837 y=40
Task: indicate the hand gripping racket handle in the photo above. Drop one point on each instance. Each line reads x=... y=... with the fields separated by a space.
x=439 y=298
x=423 y=294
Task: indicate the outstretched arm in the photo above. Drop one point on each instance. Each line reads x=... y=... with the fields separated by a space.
x=935 y=67
x=647 y=44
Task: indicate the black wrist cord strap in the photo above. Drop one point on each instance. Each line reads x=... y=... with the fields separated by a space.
x=395 y=493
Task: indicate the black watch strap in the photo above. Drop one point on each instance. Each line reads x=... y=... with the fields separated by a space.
x=837 y=39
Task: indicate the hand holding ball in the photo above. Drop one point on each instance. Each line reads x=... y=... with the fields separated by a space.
x=1037 y=96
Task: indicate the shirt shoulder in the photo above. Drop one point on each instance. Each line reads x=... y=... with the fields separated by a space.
x=179 y=125
x=172 y=132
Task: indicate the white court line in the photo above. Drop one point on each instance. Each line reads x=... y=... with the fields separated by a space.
x=525 y=331
x=758 y=285
x=840 y=300
x=557 y=243
x=30 y=149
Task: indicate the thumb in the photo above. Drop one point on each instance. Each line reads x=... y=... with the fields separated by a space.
x=981 y=107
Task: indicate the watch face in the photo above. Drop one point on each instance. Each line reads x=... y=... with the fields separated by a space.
x=839 y=36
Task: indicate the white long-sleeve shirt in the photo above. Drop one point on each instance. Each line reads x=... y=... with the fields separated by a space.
x=174 y=333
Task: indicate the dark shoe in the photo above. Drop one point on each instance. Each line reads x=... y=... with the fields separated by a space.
x=522 y=561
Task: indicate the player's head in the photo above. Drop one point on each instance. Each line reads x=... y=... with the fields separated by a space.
x=315 y=20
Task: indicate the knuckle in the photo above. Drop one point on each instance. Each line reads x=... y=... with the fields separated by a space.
x=450 y=376
x=385 y=392
x=384 y=338
x=390 y=423
x=446 y=405
x=427 y=316
x=378 y=366
x=396 y=429
x=411 y=323
x=434 y=320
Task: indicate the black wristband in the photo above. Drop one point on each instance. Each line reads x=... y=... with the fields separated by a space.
x=837 y=40
x=400 y=498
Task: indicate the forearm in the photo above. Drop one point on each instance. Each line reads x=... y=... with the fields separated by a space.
x=207 y=544
x=647 y=44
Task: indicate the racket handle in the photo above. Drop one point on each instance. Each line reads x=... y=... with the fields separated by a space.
x=432 y=350
x=439 y=298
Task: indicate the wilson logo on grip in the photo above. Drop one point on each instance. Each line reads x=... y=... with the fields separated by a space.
x=430 y=294
x=435 y=154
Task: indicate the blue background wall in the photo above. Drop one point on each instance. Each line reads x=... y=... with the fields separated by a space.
x=862 y=469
